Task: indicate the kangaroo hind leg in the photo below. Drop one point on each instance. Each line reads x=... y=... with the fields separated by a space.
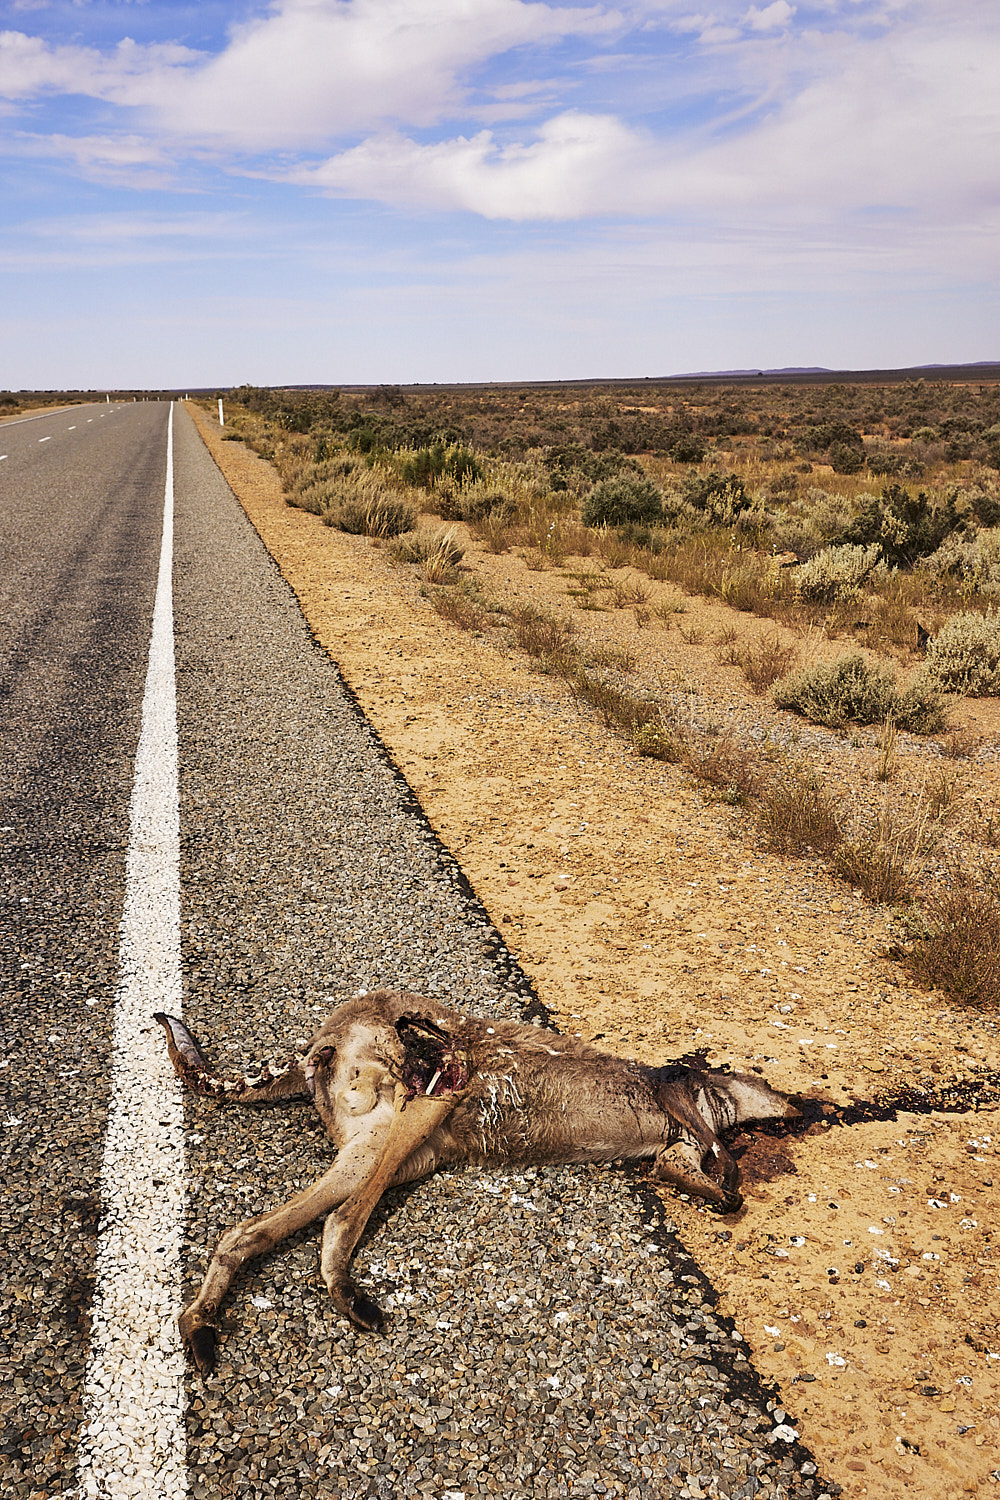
x=399 y=1158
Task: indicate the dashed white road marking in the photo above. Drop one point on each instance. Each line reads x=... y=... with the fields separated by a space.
x=71 y=429
x=45 y=440
x=38 y=417
x=132 y=1443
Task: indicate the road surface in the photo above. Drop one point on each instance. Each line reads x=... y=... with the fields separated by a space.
x=194 y=813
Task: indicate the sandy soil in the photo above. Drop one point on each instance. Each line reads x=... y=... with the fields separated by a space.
x=863 y=1268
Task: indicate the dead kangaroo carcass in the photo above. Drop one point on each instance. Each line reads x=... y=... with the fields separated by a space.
x=404 y=1085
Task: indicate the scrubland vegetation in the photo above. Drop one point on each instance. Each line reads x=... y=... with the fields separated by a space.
x=865 y=515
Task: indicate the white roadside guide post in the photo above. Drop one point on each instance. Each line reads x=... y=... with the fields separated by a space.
x=222 y=420
x=132 y=1445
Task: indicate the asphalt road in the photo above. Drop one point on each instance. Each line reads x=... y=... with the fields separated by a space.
x=547 y=1335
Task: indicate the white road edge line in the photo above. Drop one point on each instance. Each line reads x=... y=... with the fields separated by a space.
x=133 y=1441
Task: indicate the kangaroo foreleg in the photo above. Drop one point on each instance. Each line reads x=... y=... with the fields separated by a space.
x=682 y=1163
x=413 y=1122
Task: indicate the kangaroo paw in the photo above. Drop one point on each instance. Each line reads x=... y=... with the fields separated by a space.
x=201 y=1342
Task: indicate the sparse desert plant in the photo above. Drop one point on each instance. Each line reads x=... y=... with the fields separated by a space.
x=548 y=639
x=885 y=764
x=621 y=500
x=625 y=594
x=796 y=814
x=655 y=742
x=669 y=608
x=371 y=514
x=619 y=708
x=723 y=498
x=721 y=762
x=957 y=950
x=617 y=659
x=494 y=530
x=836 y=573
x=882 y=867
x=959 y=745
x=438 y=552
x=853 y=691
x=749 y=582
x=964 y=657
x=762 y=661
x=460 y=607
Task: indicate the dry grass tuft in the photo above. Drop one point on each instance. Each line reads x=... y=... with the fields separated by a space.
x=958 y=951
x=459 y=607
x=762 y=661
x=545 y=638
x=796 y=814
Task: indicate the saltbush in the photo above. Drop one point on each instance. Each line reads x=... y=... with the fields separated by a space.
x=836 y=573
x=964 y=657
x=853 y=691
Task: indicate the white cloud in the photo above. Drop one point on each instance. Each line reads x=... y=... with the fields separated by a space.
x=771 y=17
x=123 y=160
x=30 y=67
x=572 y=168
x=307 y=72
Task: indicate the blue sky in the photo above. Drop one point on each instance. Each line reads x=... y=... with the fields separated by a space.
x=417 y=190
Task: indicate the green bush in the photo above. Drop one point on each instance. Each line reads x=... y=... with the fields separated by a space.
x=906 y=526
x=424 y=467
x=622 y=500
x=852 y=691
x=846 y=459
x=724 y=498
x=964 y=657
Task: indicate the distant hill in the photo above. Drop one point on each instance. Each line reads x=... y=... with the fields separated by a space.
x=737 y=374
x=987 y=369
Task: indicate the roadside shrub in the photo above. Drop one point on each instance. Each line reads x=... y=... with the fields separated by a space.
x=852 y=691
x=885 y=461
x=619 y=708
x=380 y=515
x=437 y=551
x=688 y=448
x=906 y=526
x=749 y=583
x=622 y=500
x=544 y=637
x=723 y=498
x=964 y=657
x=796 y=815
x=762 y=661
x=654 y=742
x=845 y=458
x=721 y=762
x=957 y=949
x=836 y=573
x=425 y=466
x=878 y=867
x=459 y=607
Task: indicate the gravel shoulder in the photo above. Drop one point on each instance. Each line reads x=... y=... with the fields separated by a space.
x=652 y=920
